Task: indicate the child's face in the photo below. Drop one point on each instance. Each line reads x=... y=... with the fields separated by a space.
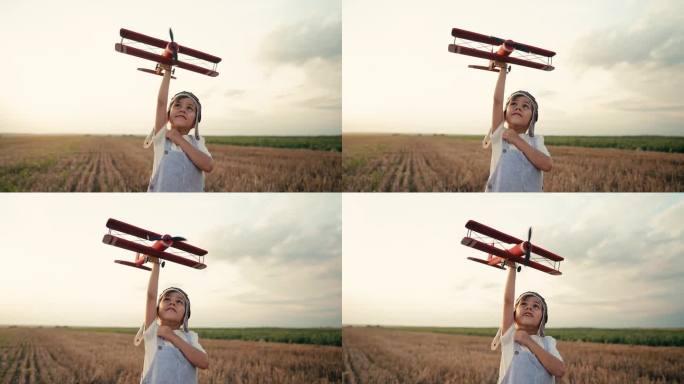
x=519 y=112
x=528 y=313
x=172 y=307
x=182 y=115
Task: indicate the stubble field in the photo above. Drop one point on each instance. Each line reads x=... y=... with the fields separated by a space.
x=53 y=355
x=81 y=163
x=376 y=355
x=438 y=163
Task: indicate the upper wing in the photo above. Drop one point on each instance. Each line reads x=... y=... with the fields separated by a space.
x=480 y=38
x=480 y=246
x=491 y=232
x=131 y=229
x=493 y=56
x=153 y=41
x=137 y=247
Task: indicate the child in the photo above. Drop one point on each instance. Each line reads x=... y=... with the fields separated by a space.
x=180 y=160
x=527 y=355
x=172 y=355
x=518 y=156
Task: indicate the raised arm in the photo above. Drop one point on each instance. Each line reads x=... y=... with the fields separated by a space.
x=162 y=100
x=509 y=298
x=497 y=106
x=151 y=303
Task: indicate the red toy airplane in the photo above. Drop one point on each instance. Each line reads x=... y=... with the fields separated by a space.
x=482 y=46
x=168 y=56
x=157 y=249
x=520 y=253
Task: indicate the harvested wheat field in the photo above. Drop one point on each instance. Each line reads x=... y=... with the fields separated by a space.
x=439 y=163
x=53 y=355
x=81 y=163
x=376 y=355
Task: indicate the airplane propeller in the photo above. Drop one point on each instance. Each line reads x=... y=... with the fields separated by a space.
x=528 y=247
x=166 y=237
x=174 y=46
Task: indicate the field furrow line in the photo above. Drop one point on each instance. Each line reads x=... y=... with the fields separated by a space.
x=349 y=376
x=391 y=169
x=78 y=177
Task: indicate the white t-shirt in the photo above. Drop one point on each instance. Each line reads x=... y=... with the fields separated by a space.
x=496 y=138
x=151 y=342
x=158 y=141
x=507 y=349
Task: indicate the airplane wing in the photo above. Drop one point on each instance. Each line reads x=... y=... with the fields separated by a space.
x=490 y=249
x=544 y=253
x=153 y=41
x=131 y=229
x=134 y=265
x=498 y=235
x=188 y=248
x=493 y=56
x=486 y=263
x=491 y=232
x=163 y=60
x=480 y=38
x=149 y=235
x=140 y=248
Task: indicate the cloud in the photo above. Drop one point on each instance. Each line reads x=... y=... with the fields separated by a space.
x=234 y=93
x=313 y=48
x=330 y=102
x=279 y=239
x=623 y=271
x=304 y=41
x=653 y=39
x=644 y=56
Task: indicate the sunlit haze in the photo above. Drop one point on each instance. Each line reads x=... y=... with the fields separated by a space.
x=404 y=264
x=274 y=259
x=619 y=65
x=280 y=73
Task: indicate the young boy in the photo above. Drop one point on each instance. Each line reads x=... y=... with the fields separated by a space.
x=172 y=355
x=527 y=355
x=180 y=160
x=518 y=156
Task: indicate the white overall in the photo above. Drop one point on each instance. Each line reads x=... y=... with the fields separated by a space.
x=518 y=364
x=169 y=366
x=510 y=170
x=164 y=363
x=525 y=368
x=175 y=171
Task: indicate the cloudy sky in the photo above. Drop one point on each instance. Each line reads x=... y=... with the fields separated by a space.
x=274 y=259
x=280 y=72
x=404 y=265
x=619 y=65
